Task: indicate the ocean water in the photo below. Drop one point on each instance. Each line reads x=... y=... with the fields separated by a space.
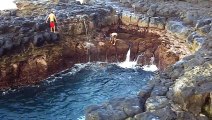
x=65 y=95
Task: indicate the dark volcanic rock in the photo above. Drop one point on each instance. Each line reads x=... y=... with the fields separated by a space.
x=117 y=109
x=38 y=39
x=54 y=37
x=8 y=44
x=1 y=51
x=161 y=114
x=47 y=36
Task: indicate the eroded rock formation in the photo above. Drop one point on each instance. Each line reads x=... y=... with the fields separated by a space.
x=183 y=90
x=83 y=36
x=169 y=32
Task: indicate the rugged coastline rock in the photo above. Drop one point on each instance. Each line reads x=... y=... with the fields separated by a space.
x=169 y=32
x=183 y=90
x=83 y=36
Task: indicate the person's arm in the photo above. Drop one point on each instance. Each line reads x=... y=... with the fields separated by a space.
x=47 y=19
x=55 y=18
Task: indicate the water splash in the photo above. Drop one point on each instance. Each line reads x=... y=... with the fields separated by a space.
x=86 y=29
x=127 y=63
x=128 y=56
x=133 y=64
x=139 y=57
x=151 y=68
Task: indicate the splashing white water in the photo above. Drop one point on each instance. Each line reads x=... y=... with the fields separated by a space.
x=7 y=5
x=81 y=118
x=151 y=68
x=127 y=63
x=132 y=64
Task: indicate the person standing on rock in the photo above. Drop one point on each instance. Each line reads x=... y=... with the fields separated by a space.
x=113 y=38
x=53 y=20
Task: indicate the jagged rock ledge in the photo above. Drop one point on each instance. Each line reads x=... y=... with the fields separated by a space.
x=30 y=53
x=183 y=90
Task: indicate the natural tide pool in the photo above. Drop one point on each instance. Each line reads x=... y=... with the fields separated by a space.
x=65 y=95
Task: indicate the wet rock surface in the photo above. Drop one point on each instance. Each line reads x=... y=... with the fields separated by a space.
x=183 y=90
x=119 y=108
x=167 y=30
x=82 y=36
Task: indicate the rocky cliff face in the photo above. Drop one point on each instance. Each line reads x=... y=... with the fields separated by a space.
x=30 y=53
x=183 y=90
x=169 y=32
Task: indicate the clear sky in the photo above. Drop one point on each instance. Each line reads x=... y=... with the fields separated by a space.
x=7 y=4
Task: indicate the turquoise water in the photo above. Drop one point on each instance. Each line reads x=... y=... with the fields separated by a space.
x=65 y=95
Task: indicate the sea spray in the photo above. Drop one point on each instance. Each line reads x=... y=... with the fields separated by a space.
x=127 y=63
x=132 y=64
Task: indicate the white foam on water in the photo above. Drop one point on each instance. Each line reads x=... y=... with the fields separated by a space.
x=7 y=5
x=81 y=118
x=127 y=63
x=151 y=68
x=132 y=64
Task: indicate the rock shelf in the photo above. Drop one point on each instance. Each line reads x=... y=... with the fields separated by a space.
x=177 y=33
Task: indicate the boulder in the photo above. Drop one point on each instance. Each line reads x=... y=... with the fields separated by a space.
x=130 y=106
x=28 y=24
x=115 y=109
x=79 y=28
x=25 y=40
x=111 y=20
x=168 y=57
x=1 y=51
x=199 y=40
x=167 y=11
x=24 y=30
x=130 y=118
x=134 y=19
x=205 y=29
x=190 y=17
x=126 y=18
x=38 y=40
x=203 y=22
x=1 y=41
x=178 y=29
x=104 y=114
x=159 y=90
x=195 y=41
x=17 y=40
x=157 y=22
x=8 y=44
x=5 y=13
x=165 y=113
x=156 y=102
x=152 y=10
x=191 y=37
x=190 y=90
x=184 y=115
x=144 y=21
x=3 y=28
x=124 y=1
x=145 y=91
x=47 y=36
x=138 y=6
x=41 y=26
x=54 y=37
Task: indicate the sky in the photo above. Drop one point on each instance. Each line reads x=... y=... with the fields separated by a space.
x=7 y=4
